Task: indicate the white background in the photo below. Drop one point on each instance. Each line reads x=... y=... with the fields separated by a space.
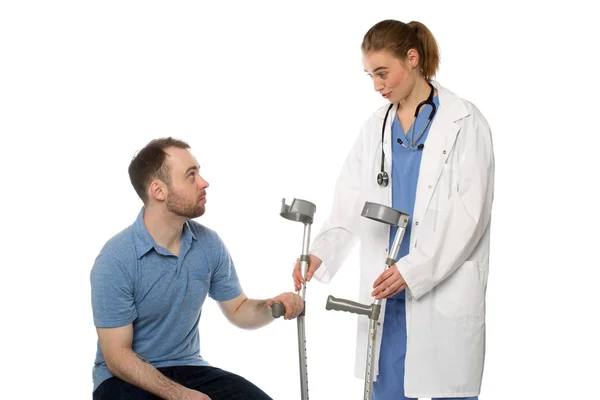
x=271 y=96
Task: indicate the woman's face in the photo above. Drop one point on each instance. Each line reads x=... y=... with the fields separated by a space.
x=393 y=78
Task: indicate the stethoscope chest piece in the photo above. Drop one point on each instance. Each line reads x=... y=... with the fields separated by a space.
x=383 y=179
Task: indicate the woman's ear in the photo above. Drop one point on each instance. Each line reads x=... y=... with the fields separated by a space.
x=412 y=58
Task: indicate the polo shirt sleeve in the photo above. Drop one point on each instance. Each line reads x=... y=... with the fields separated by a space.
x=112 y=293
x=224 y=283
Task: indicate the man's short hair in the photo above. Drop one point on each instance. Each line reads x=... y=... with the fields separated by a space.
x=149 y=163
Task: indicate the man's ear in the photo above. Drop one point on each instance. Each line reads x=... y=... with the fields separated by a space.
x=157 y=190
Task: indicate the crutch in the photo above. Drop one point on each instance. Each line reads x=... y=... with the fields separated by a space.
x=299 y=211
x=390 y=216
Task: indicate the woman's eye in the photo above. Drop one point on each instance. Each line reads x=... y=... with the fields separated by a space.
x=383 y=75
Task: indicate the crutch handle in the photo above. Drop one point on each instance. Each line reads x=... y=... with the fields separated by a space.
x=348 y=305
x=278 y=310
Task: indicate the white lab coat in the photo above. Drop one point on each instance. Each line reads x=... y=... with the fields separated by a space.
x=447 y=268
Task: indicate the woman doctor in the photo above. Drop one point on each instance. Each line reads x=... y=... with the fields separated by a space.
x=428 y=153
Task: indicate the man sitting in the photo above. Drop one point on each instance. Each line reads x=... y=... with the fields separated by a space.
x=149 y=283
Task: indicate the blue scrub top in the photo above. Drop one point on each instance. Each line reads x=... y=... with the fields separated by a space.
x=406 y=164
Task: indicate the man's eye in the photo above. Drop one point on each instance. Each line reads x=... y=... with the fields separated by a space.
x=192 y=177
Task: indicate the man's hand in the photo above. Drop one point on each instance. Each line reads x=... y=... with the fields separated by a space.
x=291 y=301
x=313 y=264
x=388 y=284
x=194 y=395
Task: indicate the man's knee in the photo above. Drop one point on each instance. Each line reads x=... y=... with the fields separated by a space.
x=116 y=389
x=251 y=390
x=221 y=384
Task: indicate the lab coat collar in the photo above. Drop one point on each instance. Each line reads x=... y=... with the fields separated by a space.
x=440 y=141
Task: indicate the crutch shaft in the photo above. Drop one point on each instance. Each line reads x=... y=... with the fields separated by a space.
x=370 y=370
x=304 y=261
x=300 y=211
x=302 y=357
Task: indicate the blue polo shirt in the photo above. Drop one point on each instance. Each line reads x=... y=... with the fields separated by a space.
x=135 y=281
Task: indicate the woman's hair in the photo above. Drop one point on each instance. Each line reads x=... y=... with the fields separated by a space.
x=398 y=37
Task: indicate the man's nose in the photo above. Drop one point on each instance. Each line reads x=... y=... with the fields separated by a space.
x=204 y=183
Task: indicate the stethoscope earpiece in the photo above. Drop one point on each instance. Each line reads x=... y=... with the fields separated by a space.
x=419 y=147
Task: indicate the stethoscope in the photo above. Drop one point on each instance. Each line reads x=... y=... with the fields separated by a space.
x=383 y=178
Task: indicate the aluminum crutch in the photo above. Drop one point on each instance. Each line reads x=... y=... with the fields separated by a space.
x=390 y=216
x=299 y=211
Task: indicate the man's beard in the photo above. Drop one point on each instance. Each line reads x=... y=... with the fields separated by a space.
x=178 y=205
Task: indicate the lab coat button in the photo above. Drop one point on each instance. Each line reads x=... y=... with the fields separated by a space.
x=430 y=186
x=417 y=223
x=410 y=299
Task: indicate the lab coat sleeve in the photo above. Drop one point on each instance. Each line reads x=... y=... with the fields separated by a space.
x=341 y=229
x=465 y=216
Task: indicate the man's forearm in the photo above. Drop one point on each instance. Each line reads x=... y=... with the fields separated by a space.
x=134 y=369
x=253 y=314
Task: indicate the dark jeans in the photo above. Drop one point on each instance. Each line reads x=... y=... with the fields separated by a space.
x=214 y=382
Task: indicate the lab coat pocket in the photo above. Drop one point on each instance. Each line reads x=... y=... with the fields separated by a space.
x=461 y=295
x=440 y=202
x=446 y=185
